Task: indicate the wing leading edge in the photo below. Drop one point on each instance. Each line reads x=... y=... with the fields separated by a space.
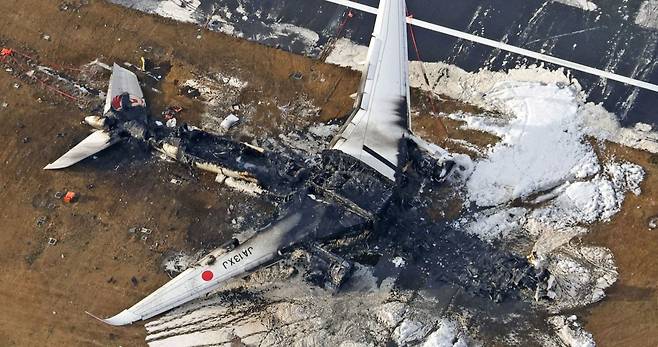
x=380 y=120
x=92 y=144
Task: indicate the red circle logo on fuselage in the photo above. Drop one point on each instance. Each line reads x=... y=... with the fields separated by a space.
x=207 y=275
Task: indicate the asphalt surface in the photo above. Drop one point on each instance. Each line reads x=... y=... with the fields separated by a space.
x=606 y=38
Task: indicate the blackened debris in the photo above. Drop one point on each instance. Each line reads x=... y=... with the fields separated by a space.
x=189 y=91
x=326 y=269
x=359 y=185
x=280 y=174
x=437 y=253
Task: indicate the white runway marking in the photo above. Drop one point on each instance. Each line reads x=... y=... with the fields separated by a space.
x=509 y=48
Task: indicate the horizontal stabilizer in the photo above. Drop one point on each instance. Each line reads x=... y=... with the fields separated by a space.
x=122 y=81
x=92 y=144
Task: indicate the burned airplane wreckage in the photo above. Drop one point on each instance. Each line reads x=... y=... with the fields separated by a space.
x=369 y=190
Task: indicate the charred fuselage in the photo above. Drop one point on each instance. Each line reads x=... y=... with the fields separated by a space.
x=340 y=196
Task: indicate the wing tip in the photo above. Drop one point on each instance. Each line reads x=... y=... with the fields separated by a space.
x=124 y=318
x=94 y=316
x=52 y=166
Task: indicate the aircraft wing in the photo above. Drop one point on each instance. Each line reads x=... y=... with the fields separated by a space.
x=197 y=281
x=92 y=144
x=211 y=271
x=122 y=81
x=380 y=120
x=304 y=217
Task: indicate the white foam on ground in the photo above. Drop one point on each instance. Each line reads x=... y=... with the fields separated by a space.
x=473 y=88
x=582 y=4
x=647 y=15
x=220 y=92
x=597 y=199
x=326 y=131
x=398 y=262
x=345 y=53
x=309 y=37
x=214 y=89
x=495 y=223
x=446 y=335
x=544 y=159
x=180 y=10
x=541 y=146
x=580 y=275
x=179 y=262
x=409 y=331
x=571 y=332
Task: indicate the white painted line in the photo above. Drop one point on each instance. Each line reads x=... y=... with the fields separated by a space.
x=509 y=48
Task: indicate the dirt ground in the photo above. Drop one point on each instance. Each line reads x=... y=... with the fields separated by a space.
x=629 y=314
x=98 y=266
